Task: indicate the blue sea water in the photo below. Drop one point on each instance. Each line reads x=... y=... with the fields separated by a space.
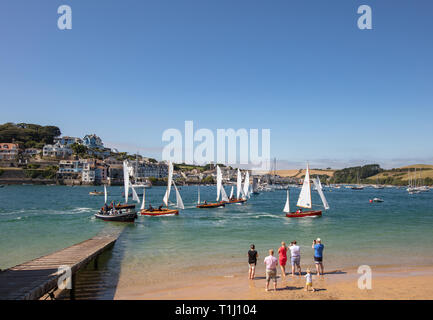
x=37 y=220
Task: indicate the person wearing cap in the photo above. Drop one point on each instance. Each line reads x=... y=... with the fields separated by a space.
x=252 y=261
x=318 y=255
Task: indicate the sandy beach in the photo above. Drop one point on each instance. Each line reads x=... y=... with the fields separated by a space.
x=388 y=282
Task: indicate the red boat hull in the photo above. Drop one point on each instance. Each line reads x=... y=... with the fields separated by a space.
x=162 y=212
x=304 y=214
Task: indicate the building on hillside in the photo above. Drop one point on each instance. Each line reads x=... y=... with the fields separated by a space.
x=8 y=151
x=70 y=169
x=92 y=141
x=100 y=153
x=32 y=151
x=141 y=170
x=67 y=141
x=88 y=173
x=56 y=151
x=94 y=171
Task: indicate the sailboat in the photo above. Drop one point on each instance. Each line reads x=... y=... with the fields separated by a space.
x=239 y=191
x=120 y=213
x=165 y=211
x=304 y=200
x=358 y=186
x=220 y=192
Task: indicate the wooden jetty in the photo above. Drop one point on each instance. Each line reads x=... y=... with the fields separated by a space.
x=34 y=279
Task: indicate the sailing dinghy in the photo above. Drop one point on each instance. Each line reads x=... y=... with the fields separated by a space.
x=220 y=192
x=165 y=211
x=239 y=191
x=304 y=200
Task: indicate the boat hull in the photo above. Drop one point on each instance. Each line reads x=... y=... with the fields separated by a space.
x=124 y=217
x=211 y=205
x=235 y=201
x=304 y=214
x=157 y=212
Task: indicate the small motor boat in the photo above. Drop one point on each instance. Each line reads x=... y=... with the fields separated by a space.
x=96 y=193
x=122 y=215
x=376 y=200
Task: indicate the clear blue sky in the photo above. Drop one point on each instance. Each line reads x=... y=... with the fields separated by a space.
x=330 y=93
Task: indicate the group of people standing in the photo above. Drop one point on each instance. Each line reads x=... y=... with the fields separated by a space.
x=271 y=262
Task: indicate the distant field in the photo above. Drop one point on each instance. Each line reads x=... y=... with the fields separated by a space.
x=422 y=166
x=427 y=172
x=298 y=173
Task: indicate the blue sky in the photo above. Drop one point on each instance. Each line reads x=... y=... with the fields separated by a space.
x=330 y=93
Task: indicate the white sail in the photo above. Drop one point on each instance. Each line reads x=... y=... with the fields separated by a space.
x=224 y=194
x=105 y=193
x=239 y=185
x=169 y=181
x=134 y=195
x=219 y=182
x=247 y=184
x=231 y=192
x=287 y=206
x=179 y=202
x=198 y=191
x=320 y=191
x=304 y=199
x=143 y=203
x=126 y=179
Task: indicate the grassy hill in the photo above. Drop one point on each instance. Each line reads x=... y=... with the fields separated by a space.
x=401 y=175
x=299 y=173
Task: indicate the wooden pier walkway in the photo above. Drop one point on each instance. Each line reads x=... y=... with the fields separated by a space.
x=33 y=279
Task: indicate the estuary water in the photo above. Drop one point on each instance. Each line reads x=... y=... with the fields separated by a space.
x=37 y=220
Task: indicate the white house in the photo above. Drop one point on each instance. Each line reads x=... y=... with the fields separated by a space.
x=56 y=150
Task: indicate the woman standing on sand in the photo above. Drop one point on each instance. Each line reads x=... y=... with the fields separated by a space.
x=282 y=253
x=252 y=261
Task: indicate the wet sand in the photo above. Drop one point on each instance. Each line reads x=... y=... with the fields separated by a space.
x=388 y=282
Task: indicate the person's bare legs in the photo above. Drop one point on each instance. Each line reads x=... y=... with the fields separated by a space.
x=321 y=268
x=283 y=271
x=250 y=270
x=299 y=268
x=317 y=269
x=253 y=272
x=267 y=285
x=275 y=285
x=293 y=270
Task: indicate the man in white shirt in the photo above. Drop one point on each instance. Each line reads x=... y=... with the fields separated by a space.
x=271 y=269
x=295 y=252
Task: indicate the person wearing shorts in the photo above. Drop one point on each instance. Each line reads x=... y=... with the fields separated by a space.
x=271 y=269
x=295 y=257
x=318 y=255
x=282 y=254
x=252 y=261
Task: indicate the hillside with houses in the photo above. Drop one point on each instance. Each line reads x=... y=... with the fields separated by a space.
x=31 y=153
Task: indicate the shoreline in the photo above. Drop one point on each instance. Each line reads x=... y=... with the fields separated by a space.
x=414 y=283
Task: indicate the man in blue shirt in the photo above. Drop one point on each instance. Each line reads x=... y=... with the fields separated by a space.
x=318 y=255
